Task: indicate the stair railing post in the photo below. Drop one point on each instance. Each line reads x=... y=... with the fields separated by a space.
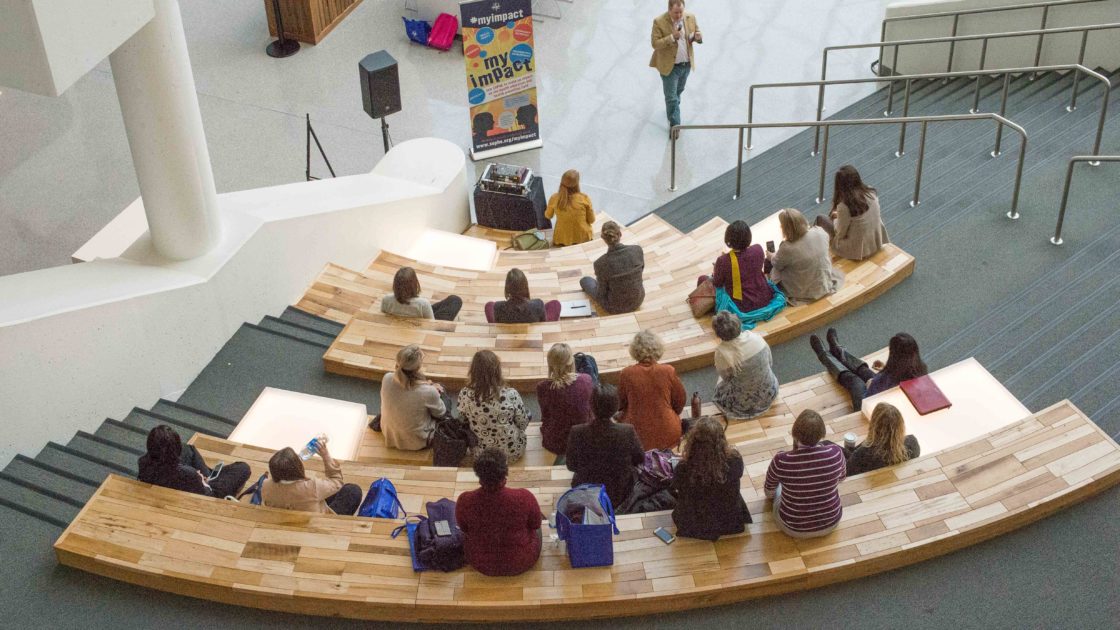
x=902 y=128
x=739 y=168
x=1013 y=213
x=1077 y=74
x=918 y=173
x=750 y=116
x=1057 y=238
x=1100 y=128
x=976 y=93
x=890 y=89
x=1038 y=46
x=882 y=38
x=820 y=101
x=952 y=45
x=1002 y=111
x=824 y=165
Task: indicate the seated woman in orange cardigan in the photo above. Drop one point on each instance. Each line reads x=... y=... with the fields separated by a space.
x=651 y=394
x=572 y=210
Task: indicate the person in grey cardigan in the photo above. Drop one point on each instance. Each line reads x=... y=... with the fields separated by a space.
x=855 y=223
x=747 y=385
x=617 y=285
x=802 y=266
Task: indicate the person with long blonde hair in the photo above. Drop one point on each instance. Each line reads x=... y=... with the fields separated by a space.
x=564 y=398
x=887 y=443
x=706 y=484
x=802 y=266
x=573 y=212
x=496 y=413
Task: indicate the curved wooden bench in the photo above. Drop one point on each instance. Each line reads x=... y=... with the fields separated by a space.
x=367 y=347
x=346 y=566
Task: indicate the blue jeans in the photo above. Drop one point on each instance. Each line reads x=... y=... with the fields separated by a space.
x=673 y=85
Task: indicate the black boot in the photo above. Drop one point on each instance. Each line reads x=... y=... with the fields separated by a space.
x=833 y=343
x=830 y=363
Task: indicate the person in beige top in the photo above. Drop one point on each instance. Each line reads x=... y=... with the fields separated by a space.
x=288 y=486
x=802 y=266
x=410 y=403
x=672 y=37
x=855 y=223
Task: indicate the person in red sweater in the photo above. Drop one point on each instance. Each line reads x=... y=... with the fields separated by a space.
x=501 y=526
x=651 y=394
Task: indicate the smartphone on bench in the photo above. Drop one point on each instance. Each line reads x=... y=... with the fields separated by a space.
x=214 y=472
x=664 y=535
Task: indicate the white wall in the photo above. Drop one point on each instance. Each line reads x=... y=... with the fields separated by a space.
x=92 y=340
x=47 y=45
x=1103 y=48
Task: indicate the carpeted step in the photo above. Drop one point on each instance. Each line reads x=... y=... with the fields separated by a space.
x=23 y=497
x=147 y=420
x=120 y=433
x=58 y=482
x=193 y=416
x=66 y=459
x=102 y=450
x=309 y=320
x=290 y=329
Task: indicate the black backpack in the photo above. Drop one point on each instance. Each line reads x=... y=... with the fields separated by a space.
x=450 y=441
x=439 y=541
x=585 y=364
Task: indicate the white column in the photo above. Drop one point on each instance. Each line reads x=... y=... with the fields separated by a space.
x=155 y=87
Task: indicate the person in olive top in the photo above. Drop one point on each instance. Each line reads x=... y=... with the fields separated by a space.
x=706 y=484
x=572 y=210
x=170 y=464
x=501 y=526
x=405 y=300
x=617 y=285
x=887 y=443
x=518 y=307
x=604 y=451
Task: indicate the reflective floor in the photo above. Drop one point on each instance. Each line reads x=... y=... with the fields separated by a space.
x=65 y=168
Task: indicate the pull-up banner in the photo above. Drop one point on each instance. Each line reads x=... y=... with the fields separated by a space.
x=501 y=87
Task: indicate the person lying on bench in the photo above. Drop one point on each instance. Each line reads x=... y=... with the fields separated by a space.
x=903 y=364
x=617 y=285
x=405 y=300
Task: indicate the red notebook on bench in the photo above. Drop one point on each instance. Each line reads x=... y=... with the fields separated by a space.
x=925 y=395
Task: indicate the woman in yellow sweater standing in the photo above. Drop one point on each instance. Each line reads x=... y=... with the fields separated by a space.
x=572 y=210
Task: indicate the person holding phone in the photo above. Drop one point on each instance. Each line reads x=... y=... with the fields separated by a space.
x=674 y=33
x=172 y=464
x=802 y=265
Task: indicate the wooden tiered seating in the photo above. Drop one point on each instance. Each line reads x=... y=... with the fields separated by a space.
x=366 y=348
x=347 y=566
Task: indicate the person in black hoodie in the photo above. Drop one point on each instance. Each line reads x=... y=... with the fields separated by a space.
x=706 y=484
x=170 y=464
x=604 y=451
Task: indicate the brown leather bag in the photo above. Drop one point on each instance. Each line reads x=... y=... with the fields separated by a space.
x=702 y=299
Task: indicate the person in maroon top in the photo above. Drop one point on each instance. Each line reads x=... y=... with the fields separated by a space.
x=756 y=292
x=501 y=526
x=564 y=397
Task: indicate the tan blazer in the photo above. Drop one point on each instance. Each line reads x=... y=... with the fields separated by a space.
x=665 y=47
x=859 y=237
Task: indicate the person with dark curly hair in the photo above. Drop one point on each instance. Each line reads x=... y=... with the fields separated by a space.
x=501 y=526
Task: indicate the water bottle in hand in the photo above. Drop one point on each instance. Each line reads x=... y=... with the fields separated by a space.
x=313 y=447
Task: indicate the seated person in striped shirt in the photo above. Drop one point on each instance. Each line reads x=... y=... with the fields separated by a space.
x=803 y=482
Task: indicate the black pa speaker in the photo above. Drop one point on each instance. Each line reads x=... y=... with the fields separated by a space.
x=381 y=86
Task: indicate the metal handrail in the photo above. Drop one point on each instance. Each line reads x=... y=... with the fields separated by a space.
x=1084 y=30
x=1093 y=160
x=908 y=78
x=1000 y=121
x=956 y=15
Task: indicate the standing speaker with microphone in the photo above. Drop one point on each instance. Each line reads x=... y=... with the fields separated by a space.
x=381 y=88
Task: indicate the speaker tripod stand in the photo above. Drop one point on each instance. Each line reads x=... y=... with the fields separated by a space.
x=385 y=133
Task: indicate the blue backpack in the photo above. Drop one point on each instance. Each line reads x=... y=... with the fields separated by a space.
x=381 y=501
x=417 y=30
x=585 y=364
